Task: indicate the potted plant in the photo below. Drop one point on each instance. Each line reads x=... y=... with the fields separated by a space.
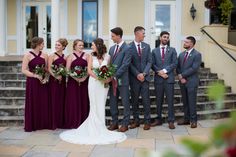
x=226 y=7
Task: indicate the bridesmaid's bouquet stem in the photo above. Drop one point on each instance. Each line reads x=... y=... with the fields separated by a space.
x=78 y=72
x=42 y=72
x=59 y=70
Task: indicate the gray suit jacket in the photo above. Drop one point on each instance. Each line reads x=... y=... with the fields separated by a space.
x=189 y=70
x=145 y=64
x=122 y=61
x=170 y=63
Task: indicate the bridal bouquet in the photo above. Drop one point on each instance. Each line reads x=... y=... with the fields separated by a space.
x=105 y=72
x=78 y=72
x=59 y=70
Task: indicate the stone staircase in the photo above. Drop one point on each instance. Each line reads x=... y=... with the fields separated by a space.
x=12 y=97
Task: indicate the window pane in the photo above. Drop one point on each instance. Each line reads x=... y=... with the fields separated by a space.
x=48 y=27
x=162 y=23
x=89 y=32
x=31 y=13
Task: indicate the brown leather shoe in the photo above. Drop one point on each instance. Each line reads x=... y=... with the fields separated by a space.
x=123 y=129
x=146 y=127
x=156 y=122
x=134 y=125
x=193 y=125
x=171 y=125
x=183 y=122
x=113 y=127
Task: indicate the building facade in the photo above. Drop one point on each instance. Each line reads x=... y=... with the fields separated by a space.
x=88 y=19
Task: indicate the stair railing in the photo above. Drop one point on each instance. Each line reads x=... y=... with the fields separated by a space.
x=226 y=52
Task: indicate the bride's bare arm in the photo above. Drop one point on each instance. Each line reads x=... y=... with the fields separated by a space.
x=90 y=67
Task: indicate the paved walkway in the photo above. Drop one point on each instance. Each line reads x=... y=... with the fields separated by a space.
x=14 y=142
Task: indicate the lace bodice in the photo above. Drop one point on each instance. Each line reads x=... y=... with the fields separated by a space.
x=104 y=62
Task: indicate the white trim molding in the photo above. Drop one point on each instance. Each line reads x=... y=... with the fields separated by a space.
x=178 y=25
x=19 y=30
x=207 y=16
x=79 y=20
x=3 y=27
x=100 y=19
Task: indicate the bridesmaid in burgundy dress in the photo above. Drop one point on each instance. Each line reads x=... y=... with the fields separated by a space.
x=57 y=86
x=36 y=99
x=77 y=101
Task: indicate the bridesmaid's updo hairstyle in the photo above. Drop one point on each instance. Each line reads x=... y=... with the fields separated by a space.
x=36 y=41
x=76 y=41
x=63 y=42
x=101 y=48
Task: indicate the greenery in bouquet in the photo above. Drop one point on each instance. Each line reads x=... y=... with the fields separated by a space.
x=59 y=70
x=105 y=72
x=40 y=70
x=78 y=72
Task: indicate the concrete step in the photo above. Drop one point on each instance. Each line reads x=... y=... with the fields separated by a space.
x=178 y=108
x=13 y=83
x=17 y=75
x=11 y=63
x=18 y=109
x=18 y=101
x=12 y=76
x=11 y=120
x=20 y=92
x=10 y=69
x=207 y=114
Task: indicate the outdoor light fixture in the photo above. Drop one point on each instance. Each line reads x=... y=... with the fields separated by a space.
x=193 y=11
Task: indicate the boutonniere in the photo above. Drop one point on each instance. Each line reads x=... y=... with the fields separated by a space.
x=168 y=49
x=142 y=48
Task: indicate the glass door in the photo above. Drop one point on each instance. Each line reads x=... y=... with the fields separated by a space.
x=37 y=22
x=162 y=20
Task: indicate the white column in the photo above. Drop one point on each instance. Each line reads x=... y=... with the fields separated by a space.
x=55 y=23
x=112 y=18
x=2 y=27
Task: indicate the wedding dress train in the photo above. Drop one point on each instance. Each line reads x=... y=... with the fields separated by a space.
x=93 y=130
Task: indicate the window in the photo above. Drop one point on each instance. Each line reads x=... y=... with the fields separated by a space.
x=233 y=17
x=89 y=21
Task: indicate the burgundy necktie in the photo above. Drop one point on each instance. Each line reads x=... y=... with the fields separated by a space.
x=162 y=54
x=185 y=57
x=117 y=48
x=139 y=50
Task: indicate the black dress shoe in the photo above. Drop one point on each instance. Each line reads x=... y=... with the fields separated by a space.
x=156 y=122
x=183 y=122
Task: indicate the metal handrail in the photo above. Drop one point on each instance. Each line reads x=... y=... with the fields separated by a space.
x=204 y=31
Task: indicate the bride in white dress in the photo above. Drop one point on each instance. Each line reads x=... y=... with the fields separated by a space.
x=93 y=130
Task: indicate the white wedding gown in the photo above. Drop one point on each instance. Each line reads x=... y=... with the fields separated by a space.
x=93 y=130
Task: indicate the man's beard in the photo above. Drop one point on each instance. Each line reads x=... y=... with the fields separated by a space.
x=186 y=47
x=164 y=42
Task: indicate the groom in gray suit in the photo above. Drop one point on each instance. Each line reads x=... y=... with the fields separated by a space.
x=164 y=63
x=121 y=57
x=141 y=63
x=189 y=63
